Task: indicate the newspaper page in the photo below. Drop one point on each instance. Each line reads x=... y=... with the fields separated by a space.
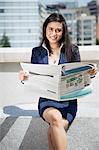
x=62 y=82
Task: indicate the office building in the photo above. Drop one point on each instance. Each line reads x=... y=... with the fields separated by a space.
x=19 y=20
x=93 y=7
x=70 y=16
x=86 y=30
x=67 y=10
x=81 y=25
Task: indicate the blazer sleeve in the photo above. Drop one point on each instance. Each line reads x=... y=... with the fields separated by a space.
x=34 y=57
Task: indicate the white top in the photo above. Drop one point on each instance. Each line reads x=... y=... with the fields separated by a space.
x=50 y=60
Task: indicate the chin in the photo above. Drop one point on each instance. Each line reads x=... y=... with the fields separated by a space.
x=53 y=41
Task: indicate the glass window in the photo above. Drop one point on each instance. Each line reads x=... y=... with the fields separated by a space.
x=87 y=44
x=87 y=38
x=1 y=10
x=87 y=33
x=87 y=26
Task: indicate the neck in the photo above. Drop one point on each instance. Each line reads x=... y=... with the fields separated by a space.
x=55 y=48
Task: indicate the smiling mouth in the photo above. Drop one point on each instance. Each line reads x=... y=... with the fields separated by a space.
x=53 y=38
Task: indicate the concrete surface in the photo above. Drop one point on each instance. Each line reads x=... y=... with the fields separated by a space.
x=27 y=133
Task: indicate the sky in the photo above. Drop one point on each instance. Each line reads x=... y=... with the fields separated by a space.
x=80 y=2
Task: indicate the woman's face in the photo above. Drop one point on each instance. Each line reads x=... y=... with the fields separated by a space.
x=54 y=32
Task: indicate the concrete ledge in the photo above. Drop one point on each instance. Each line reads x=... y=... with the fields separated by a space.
x=24 y=54
x=89 y=53
x=15 y=54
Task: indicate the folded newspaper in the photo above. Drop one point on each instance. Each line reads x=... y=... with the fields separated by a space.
x=59 y=82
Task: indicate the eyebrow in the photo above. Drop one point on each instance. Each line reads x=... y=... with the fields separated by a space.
x=56 y=28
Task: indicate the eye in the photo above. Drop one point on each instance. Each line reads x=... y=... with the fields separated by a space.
x=58 y=30
x=50 y=29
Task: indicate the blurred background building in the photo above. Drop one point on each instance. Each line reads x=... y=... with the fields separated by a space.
x=86 y=30
x=81 y=23
x=94 y=10
x=97 y=27
x=21 y=20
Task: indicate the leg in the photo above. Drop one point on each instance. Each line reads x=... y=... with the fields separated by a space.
x=50 y=139
x=58 y=137
x=50 y=142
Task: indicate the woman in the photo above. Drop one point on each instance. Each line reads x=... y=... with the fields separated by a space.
x=55 y=48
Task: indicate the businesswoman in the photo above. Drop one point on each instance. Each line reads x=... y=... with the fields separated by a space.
x=55 y=48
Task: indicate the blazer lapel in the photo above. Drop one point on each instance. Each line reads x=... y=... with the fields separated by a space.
x=44 y=56
x=62 y=59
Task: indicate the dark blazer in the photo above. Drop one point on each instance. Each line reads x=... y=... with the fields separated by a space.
x=40 y=56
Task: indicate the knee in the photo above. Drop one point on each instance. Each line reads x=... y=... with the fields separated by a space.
x=56 y=119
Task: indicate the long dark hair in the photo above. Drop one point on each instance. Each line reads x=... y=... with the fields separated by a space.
x=66 y=49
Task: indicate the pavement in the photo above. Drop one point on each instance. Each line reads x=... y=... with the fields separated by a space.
x=27 y=133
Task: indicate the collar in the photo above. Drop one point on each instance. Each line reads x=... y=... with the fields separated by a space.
x=43 y=45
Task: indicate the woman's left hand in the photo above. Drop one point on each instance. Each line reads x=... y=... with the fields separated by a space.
x=92 y=72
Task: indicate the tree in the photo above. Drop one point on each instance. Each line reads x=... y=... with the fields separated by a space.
x=4 y=42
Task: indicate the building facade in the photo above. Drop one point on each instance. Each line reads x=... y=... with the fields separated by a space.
x=81 y=25
x=68 y=10
x=93 y=7
x=70 y=16
x=86 y=30
x=19 y=20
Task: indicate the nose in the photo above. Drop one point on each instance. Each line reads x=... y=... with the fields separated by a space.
x=53 y=32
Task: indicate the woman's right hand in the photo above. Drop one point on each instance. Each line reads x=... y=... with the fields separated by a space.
x=23 y=75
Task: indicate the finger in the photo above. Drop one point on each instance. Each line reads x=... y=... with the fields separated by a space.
x=21 y=75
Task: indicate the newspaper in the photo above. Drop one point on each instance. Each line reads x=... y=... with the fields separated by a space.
x=59 y=82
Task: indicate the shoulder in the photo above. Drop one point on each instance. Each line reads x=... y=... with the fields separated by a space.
x=39 y=49
x=75 y=47
x=38 y=52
